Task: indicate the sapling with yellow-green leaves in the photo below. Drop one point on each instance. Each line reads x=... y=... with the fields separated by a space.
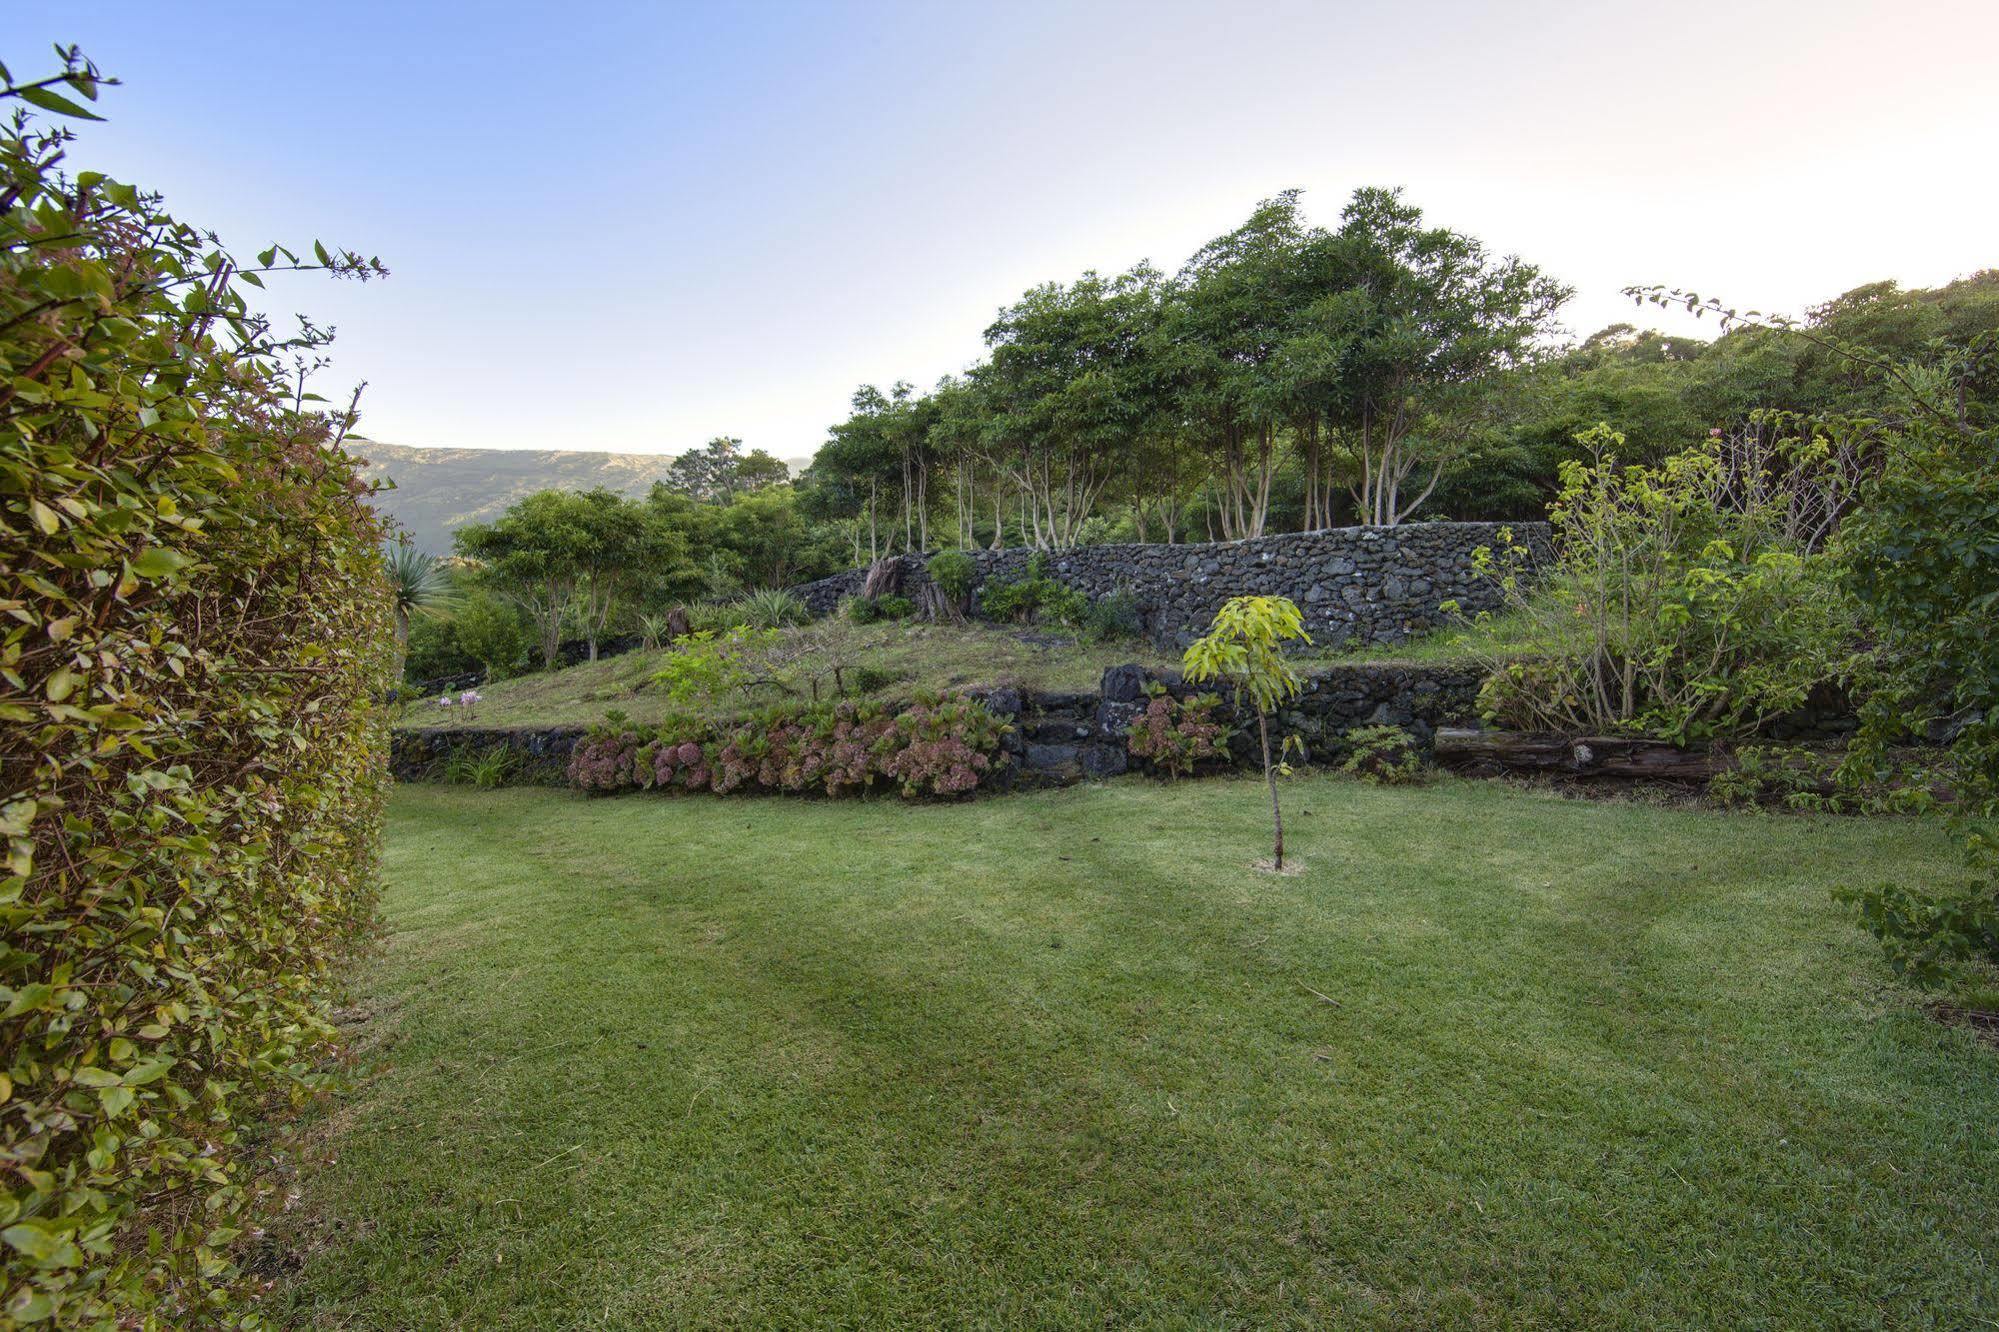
x=1244 y=648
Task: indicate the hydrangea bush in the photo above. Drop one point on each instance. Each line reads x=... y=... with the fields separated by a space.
x=1177 y=735
x=934 y=747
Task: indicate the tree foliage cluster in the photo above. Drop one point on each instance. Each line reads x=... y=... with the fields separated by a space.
x=1284 y=369
x=197 y=626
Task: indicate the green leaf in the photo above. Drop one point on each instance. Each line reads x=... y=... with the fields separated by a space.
x=56 y=102
x=158 y=562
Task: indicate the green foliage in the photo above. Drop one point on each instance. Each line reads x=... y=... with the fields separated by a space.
x=937 y=746
x=874 y=679
x=433 y=650
x=491 y=633
x=873 y=610
x=487 y=768
x=558 y=554
x=1679 y=604
x=1383 y=756
x=1919 y=556
x=1111 y=618
x=953 y=572
x=1177 y=735
x=418 y=585
x=1790 y=775
x=1033 y=597
x=706 y=665
x=199 y=626
x=1245 y=648
x=771 y=608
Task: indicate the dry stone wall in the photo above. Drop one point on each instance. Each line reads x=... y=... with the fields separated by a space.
x=1355 y=584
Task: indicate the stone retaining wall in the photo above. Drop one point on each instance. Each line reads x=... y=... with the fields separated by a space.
x=1355 y=584
x=540 y=753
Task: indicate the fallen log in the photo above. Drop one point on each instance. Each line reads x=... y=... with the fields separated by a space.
x=1610 y=756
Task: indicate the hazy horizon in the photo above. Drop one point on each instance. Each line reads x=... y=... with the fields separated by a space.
x=640 y=227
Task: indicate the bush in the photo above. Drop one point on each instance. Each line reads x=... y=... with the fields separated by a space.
x=1033 y=597
x=872 y=610
x=771 y=608
x=434 y=650
x=937 y=746
x=492 y=633
x=1383 y=755
x=868 y=679
x=1177 y=735
x=1112 y=619
x=483 y=768
x=953 y=572
x=1676 y=606
x=199 y=628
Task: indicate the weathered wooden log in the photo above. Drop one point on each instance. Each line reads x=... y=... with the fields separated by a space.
x=1610 y=756
x=884 y=578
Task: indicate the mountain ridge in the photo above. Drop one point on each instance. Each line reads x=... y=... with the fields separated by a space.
x=438 y=490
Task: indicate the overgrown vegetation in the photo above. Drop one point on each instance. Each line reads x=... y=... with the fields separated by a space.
x=1682 y=601
x=198 y=625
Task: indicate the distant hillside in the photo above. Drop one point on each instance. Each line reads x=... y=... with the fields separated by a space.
x=438 y=490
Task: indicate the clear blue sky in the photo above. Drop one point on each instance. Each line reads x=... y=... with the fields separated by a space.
x=636 y=226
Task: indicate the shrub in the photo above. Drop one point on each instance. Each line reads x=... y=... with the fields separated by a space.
x=198 y=628
x=484 y=768
x=491 y=633
x=871 y=610
x=941 y=746
x=934 y=747
x=1033 y=597
x=771 y=608
x=1177 y=735
x=953 y=572
x=868 y=679
x=434 y=650
x=1112 y=618
x=1676 y=606
x=1383 y=755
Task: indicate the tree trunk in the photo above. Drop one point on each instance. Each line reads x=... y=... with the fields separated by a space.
x=1270 y=777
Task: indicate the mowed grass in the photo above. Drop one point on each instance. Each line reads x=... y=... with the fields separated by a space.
x=1493 y=1060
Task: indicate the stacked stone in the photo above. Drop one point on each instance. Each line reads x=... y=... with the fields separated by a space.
x=1356 y=585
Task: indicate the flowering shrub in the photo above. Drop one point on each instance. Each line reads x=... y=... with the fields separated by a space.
x=941 y=746
x=935 y=747
x=1176 y=735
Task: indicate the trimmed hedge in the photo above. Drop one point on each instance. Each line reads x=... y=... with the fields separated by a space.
x=196 y=626
x=934 y=747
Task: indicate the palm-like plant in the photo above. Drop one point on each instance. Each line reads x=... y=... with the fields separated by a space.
x=417 y=585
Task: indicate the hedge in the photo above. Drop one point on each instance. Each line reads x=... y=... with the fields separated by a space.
x=196 y=626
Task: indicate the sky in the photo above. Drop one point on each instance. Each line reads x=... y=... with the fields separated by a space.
x=637 y=226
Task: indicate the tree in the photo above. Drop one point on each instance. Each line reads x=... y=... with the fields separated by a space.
x=1245 y=648
x=1421 y=319
x=556 y=550
x=719 y=471
x=417 y=585
x=622 y=549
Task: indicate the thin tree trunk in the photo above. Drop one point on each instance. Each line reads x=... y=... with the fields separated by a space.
x=1270 y=777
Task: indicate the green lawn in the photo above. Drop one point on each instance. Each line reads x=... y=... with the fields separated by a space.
x=1061 y=1060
